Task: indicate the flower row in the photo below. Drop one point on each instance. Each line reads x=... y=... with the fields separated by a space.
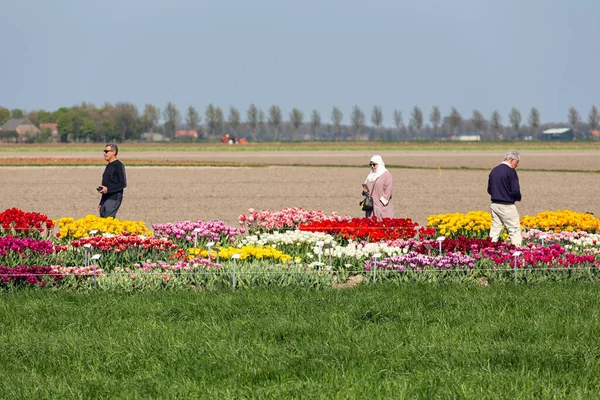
x=318 y=243
x=192 y=232
x=21 y=223
x=472 y=224
x=478 y=223
x=90 y=224
x=287 y=218
x=120 y=243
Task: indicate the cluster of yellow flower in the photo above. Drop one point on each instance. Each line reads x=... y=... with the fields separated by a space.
x=474 y=224
x=195 y=252
x=562 y=220
x=76 y=228
x=256 y=252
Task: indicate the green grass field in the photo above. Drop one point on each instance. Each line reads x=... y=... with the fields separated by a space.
x=409 y=341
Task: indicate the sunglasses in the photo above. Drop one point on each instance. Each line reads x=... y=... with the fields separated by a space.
x=371 y=164
x=106 y=151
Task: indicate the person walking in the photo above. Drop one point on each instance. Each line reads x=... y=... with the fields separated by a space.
x=379 y=185
x=114 y=181
x=504 y=189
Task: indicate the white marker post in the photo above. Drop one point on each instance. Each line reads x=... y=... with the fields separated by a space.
x=86 y=258
x=195 y=232
x=319 y=251
x=233 y=276
x=209 y=245
x=516 y=255
x=543 y=237
x=95 y=258
x=440 y=239
x=375 y=257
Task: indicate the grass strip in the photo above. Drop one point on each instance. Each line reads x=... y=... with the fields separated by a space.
x=407 y=341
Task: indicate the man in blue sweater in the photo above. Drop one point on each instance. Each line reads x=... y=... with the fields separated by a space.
x=503 y=187
x=114 y=181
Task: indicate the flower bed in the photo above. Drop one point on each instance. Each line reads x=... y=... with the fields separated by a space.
x=474 y=224
x=288 y=218
x=26 y=224
x=367 y=228
x=24 y=275
x=288 y=248
x=199 y=232
x=563 y=220
x=119 y=243
x=244 y=252
x=70 y=228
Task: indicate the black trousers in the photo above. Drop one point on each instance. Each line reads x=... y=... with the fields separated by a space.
x=110 y=206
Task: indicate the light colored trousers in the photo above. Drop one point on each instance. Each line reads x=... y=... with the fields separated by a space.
x=507 y=215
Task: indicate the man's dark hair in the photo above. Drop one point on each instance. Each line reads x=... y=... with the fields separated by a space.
x=113 y=147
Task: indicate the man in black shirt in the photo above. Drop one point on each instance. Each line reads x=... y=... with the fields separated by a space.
x=504 y=189
x=114 y=181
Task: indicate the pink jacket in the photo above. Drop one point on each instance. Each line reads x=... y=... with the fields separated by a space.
x=382 y=187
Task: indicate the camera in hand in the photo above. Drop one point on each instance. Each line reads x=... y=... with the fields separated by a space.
x=99 y=188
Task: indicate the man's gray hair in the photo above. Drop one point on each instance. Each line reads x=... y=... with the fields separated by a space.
x=113 y=147
x=512 y=155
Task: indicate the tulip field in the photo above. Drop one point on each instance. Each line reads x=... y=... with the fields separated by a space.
x=289 y=248
x=294 y=235
x=265 y=281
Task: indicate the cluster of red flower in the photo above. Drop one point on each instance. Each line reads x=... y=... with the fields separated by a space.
x=124 y=242
x=23 y=223
x=367 y=228
x=467 y=245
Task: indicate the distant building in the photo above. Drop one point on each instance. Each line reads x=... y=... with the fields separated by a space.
x=466 y=138
x=154 y=137
x=558 y=134
x=52 y=127
x=186 y=134
x=23 y=127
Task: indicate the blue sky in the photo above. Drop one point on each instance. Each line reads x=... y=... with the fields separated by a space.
x=309 y=54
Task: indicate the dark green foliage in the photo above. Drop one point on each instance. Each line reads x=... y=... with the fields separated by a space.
x=4 y=115
x=8 y=136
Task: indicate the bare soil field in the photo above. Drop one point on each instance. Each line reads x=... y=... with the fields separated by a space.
x=588 y=160
x=169 y=194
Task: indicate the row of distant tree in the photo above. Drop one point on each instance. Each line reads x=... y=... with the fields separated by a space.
x=124 y=121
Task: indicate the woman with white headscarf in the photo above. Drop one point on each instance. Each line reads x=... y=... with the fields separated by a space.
x=379 y=185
